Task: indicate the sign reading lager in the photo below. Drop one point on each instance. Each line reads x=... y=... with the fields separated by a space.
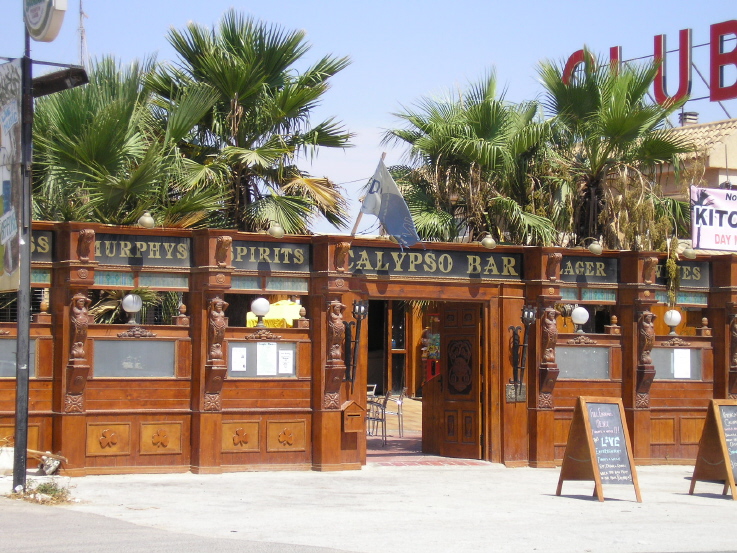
x=43 y=18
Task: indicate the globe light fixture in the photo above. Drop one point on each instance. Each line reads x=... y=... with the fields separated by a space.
x=132 y=304
x=146 y=221
x=672 y=318
x=488 y=242
x=596 y=248
x=260 y=307
x=276 y=230
x=580 y=317
x=689 y=253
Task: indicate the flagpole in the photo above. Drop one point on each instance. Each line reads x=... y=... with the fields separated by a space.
x=360 y=213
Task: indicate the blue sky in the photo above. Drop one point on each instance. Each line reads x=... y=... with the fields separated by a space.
x=400 y=50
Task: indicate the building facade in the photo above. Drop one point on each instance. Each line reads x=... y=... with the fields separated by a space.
x=206 y=392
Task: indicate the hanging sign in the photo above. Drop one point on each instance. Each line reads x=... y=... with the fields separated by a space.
x=43 y=18
x=713 y=219
x=598 y=446
x=10 y=174
x=717 y=456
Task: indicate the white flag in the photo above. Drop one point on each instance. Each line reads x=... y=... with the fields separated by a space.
x=385 y=201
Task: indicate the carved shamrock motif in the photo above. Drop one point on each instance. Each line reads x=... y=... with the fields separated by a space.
x=240 y=437
x=108 y=439
x=160 y=439
x=286 y=437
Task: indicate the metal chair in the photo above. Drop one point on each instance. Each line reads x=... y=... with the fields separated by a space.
x=371 y=390
x=376 y=419
x=398 y=400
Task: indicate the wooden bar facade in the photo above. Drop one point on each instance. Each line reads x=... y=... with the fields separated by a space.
x=116 y=398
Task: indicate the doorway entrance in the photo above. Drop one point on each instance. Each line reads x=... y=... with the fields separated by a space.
x=447 y=379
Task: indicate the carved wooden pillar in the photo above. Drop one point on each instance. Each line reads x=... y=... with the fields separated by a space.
x=544 y=271
x=73 y=275
x=215 y=369
x=645 y=367
x=335 y=363
x=78 y=367
x=548 y=367
x=732 y=390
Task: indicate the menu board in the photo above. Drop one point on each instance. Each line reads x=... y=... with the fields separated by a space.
x=728 y=414
x=598 y=446
x=609 y=443
x=716 y=460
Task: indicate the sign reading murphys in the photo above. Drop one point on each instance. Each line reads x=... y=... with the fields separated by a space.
x=713 y=219
x=43 y=18
x=143 y=251
x=435 y=264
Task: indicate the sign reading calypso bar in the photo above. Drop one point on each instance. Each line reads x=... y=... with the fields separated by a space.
x=153 y=251
x=271 y=256
x=585 y=270
x=435 y=264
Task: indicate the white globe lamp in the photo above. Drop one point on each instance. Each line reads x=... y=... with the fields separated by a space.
x=672 y=318
x=579 y=316
x=260 y=307
x=132 y=304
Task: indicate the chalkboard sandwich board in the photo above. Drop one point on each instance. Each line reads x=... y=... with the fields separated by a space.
x=598 y=446
x=717 y=456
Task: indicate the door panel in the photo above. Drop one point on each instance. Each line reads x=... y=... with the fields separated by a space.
x=452 y=426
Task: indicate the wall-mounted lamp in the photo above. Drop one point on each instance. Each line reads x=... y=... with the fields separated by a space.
x=672 y=318
x=488 y=242
x=580 y=317
x=360 y=312
x=689 y=253
x=260 y=307
x=528 y=317
x=276 y=230
x=595 y=247
x=132 y=304
x=146 y=221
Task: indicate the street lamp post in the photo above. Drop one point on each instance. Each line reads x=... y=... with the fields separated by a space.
x=48 y=84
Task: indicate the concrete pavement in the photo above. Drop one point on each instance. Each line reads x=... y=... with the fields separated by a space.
x=410 y=509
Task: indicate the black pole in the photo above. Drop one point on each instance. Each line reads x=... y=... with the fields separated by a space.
x=20 y=461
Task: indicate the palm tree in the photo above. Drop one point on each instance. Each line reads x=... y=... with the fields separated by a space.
x=472 y=156
x=102 y=154
x=260 y=121
x=610 y=142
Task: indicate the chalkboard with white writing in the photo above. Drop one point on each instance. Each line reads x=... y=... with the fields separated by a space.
x=598 y=446
x=610 y=444
x=716 y=460
x=728 y=414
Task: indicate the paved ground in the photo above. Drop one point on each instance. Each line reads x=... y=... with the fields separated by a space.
x=412 y=509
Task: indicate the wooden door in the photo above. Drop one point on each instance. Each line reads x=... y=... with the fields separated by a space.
x=452 y=401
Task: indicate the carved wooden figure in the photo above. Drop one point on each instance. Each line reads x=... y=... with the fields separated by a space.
x=222 y=246
x=648 y=269
x=84 y=244
x=549 y=334
x=216 y=330
x=646 y=337
x=80 y=321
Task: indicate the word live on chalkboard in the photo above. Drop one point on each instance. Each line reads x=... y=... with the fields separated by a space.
x=609 y=443
x=717 y=456
x=598 y=446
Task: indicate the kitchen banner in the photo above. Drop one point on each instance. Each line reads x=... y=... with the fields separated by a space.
x=713 y=219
